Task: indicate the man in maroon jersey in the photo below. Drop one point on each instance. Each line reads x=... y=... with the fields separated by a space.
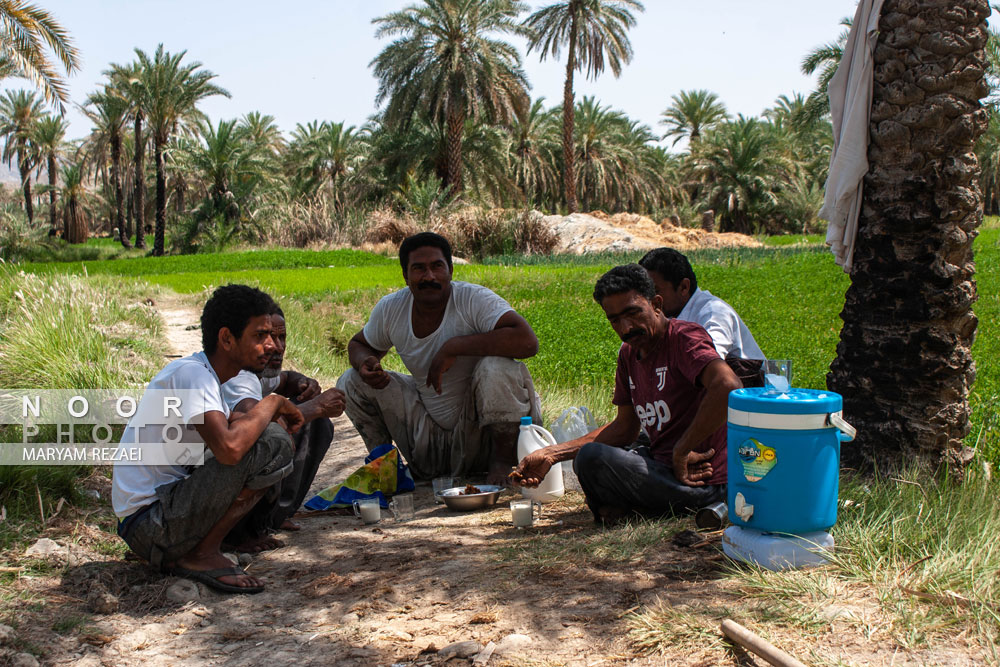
x=672 y=383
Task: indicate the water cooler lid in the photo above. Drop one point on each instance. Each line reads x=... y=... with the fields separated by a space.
x=793 y=402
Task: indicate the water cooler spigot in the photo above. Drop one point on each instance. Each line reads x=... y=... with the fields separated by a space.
x=740 y=507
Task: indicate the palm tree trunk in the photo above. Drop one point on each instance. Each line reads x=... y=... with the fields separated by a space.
x=456 y=127
x=51 y=167
x=904 y=364
x=139 y=179
x=161 y=197
x=29 y=210
x=116 y=183
x=569 y=150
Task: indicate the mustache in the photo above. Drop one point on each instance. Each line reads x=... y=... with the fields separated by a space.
x=429 y=284
x=633 y=334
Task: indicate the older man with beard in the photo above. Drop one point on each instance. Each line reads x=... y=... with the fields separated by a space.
x=241 y=394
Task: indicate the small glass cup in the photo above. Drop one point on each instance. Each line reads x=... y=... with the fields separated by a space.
x=402 y=507
x=441 y=484
x=777 y=376
x=368 y=509
x=522 y=512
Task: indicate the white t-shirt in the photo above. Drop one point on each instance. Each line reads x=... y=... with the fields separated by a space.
x=134 y=486
x=472 y=309
x=247 y=385
x=731 y=336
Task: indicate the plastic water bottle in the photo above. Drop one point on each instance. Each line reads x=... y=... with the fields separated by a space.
x=530 y=439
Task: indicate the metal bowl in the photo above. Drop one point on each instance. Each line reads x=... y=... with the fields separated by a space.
x=461 y=502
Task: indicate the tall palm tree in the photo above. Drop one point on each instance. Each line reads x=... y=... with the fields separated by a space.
x=108 y=111
x=593 y=31
x=47 y=135
x=691 y=113
x=447 y=62
x=535 y=141
x=27 y=32
x=19 y=111
x=126 y=81
x=171 y=92
x=904 y=362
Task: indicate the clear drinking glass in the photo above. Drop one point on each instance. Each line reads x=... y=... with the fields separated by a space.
x=442 y=483
x=777 y=376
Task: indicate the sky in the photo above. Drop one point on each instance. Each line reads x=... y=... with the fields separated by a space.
x=311 y=62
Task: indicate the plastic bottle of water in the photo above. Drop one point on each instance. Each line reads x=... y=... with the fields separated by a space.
x=530 y=439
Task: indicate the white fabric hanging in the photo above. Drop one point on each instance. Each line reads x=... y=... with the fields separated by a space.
x=850 y=93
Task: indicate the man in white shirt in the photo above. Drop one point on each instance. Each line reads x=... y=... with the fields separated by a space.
x=246 y=390
x=458 y=411
x=682 y=299
x=176 y=516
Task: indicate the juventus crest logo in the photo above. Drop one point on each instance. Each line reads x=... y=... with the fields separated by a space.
x=661 y=376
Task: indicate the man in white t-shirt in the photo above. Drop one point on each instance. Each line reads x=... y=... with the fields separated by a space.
x=241 y=394
x=177 y=516
x=682 y=299
x=458 y=410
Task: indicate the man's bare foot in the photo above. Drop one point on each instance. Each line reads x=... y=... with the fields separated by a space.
x=217 y=561
x=256 y=545
x=290 y=525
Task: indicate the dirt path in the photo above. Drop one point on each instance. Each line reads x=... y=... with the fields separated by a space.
x=340 y=593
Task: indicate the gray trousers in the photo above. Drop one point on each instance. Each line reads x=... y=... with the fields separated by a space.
x=612 y=477
x=501 y=392
x=186 y=509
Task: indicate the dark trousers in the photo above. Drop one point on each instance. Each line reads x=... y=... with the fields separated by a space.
x=284 y=498
x=616 y=478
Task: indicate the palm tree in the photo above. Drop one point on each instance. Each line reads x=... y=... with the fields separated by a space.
x=535 y=141
x=593 y=32
x=447 y=63
x=108 y=111
x=691 y=113
x=263 y=132
x=126 y=82
x=740 y=171
x=27 y=32
x=19 y=111
x=75 y=228
x=327 y=151
x=170 y=95
x=824 y=58
x=47 y=135
x=904 y=364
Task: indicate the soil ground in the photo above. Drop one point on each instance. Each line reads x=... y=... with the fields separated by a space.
x=340 y=593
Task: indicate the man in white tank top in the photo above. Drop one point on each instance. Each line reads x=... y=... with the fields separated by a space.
x=457 y=411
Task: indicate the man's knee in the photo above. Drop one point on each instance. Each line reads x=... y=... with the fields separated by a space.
x=270 y=458
x=493 y=368
x=348 y=381
x=590 y=458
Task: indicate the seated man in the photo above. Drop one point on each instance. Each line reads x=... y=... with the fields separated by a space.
x=458 y=411
x=671 y=382
x=677 y=286
x=176 y=516
x=246 y=390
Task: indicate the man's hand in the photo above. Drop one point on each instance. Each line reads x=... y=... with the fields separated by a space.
x=440 y=364
x=693 y=468
x=307 y=388
x=293 y=418
x=532 y=469
x=330 y=403
x=373 y=375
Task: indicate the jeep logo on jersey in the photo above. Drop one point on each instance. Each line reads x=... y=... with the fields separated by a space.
x=653 y=414
x=661 y=375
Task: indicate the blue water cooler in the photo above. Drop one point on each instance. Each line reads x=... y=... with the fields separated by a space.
x=783 y=457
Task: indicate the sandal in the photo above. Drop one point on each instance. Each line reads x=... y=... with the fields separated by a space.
x=211 y=578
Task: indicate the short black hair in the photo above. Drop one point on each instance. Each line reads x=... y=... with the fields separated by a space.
x=671 y=265
x=423 y=240
x=232 y=307
x=625 y=278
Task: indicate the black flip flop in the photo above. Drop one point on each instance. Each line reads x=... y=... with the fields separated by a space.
x=211 y=578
